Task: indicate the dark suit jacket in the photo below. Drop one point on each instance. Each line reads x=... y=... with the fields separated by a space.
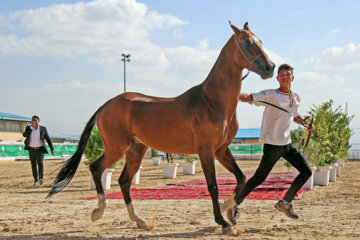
x=43 y=135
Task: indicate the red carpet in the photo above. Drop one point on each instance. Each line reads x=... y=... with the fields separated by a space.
x=274 y=188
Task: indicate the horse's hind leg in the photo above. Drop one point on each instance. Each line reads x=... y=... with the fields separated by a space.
x=134 y=157
x=227 y=160
x=97 y=168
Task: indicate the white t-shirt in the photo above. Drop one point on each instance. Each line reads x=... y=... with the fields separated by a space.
x=275 y=126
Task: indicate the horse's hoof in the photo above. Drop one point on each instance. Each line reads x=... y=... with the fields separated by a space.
x=146 y=225
x=96 y=214
x=231 y=231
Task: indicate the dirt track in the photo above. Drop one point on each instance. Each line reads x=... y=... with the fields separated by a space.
x=330 y=212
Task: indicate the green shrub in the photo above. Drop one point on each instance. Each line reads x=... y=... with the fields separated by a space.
x=330 y=139
x=190 y=158
x=95 y=148
x=154 y=153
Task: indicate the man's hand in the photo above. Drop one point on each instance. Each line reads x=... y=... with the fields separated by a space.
x=245 y=97
x=52 y=152
x=312 y=127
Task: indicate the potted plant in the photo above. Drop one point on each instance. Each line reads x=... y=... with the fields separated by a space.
x=156 y=158
x=332 y=177
x=189 y=165
x=93 y=151
x=340 y=164
x=322 y=175
x=332 y=134
x=170 y=169
x=136 y=178
x=330 y=140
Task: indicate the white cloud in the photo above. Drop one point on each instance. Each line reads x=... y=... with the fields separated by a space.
x=340 y=57
x=167 y=21
x=276 y=58
x=3 y=20
x=103 y=28
x=178 y=33
x=316 y=81
x=336 y=30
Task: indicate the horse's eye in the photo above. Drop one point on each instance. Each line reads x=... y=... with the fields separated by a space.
x=248 y=41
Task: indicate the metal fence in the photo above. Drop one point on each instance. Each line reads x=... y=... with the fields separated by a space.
x=354 y=152
x=9 y=151
x=246 y=151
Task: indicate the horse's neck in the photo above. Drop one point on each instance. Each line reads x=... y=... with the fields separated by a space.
x=224 y=80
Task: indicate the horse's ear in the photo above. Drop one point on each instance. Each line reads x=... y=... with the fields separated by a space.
x=246 y=26
x=236 y=30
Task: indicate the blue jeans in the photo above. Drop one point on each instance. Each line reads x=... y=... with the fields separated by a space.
x=272 y=154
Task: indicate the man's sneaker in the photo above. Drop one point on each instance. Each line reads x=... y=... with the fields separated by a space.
x=287 y=209
x=36 y=183
x=41 y=181
x=233 y=214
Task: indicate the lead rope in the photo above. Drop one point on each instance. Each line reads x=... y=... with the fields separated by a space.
x=307 y=134
x=247 y=74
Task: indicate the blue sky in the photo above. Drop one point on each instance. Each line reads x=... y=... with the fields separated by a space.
x=61 y=60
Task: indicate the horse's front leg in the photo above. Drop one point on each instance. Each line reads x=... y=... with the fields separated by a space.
x=208 y=166
x=226 y=158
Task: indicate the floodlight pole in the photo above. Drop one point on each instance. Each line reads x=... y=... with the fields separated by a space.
x=125 y=58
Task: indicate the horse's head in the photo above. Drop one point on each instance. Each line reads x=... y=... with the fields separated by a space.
x=252 y=55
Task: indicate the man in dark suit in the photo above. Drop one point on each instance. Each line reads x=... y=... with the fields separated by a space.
x=35 y=144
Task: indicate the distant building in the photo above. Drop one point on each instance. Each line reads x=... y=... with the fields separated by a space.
x=65 y=140
x=12 y=127
x=247 y=136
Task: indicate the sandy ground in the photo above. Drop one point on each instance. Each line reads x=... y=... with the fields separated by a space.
x=331 y=212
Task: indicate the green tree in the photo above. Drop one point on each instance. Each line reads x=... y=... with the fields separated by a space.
x=330 y=140
x=95 y=148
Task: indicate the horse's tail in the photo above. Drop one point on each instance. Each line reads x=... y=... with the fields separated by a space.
x=69 y=168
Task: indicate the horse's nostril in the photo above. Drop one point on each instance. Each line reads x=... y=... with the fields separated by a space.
x=269 y=67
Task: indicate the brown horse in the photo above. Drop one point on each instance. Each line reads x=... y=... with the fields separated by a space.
x=200 y=121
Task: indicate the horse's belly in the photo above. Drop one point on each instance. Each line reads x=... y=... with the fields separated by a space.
x=171 y=140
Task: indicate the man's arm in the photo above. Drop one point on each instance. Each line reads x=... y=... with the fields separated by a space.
x=27 y=131
x=245 y=97
x=48 y=139
x=299 y=120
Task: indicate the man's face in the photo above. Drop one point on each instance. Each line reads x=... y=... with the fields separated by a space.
x=285 y=78
x=35 y=123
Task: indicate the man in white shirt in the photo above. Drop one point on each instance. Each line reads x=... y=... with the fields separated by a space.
x=35 y=144
x=275 y=135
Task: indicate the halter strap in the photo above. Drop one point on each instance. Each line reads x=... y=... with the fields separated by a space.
x=249 y=61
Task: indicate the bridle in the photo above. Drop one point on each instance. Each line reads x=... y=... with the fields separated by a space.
x=246 y=58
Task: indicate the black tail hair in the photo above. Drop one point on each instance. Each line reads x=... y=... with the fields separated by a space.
x=69 y=168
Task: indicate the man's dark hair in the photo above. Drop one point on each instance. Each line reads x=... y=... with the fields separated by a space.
x=36 y=117
x=286 y=67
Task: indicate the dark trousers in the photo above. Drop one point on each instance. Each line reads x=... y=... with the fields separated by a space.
x=272 y=154
x=36 y=158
